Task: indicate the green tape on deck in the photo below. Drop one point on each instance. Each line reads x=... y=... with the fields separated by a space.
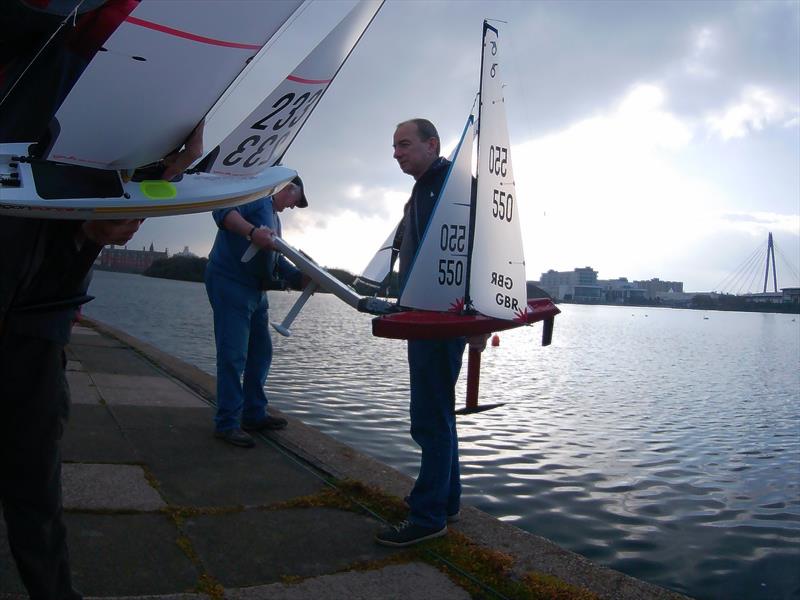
x=158 y=189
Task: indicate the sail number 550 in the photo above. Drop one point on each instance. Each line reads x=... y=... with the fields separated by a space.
x=451 y=271
x=502 y=206
x=498 y=160
x=453 y=238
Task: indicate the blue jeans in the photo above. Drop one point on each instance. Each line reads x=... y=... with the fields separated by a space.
x=434 y=366
x=244 y=346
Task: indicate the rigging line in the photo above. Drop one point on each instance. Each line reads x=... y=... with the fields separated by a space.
x=750 y=270
x=785 y=261
x=726 y=281
x=756 y=277
x=74 y=14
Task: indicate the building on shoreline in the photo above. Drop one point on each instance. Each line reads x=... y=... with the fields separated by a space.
x=114 y=258
x=581 y=285
x=578 y=285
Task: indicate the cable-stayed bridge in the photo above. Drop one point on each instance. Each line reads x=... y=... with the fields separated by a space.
x=758 y=272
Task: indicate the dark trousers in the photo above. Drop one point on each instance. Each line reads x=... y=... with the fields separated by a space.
x=34 y=403
x=434 y=366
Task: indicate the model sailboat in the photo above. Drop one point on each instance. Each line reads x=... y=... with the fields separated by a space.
x=157 y=76
x=468 y=276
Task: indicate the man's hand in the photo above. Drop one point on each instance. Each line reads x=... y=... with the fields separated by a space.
x=262 y=237
x=178 y=162
x=118 y=231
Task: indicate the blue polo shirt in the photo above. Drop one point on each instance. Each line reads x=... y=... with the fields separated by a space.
x=266 y=268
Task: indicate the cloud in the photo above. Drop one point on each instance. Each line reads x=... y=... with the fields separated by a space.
x=754 y=110
x=759 y=223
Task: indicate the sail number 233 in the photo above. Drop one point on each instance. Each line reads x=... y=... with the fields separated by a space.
x=256 y=152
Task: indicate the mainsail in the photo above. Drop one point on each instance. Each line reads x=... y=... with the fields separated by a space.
x=497 y=286
x=158 y=75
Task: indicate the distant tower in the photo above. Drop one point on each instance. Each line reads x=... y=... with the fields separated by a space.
x=770 y=252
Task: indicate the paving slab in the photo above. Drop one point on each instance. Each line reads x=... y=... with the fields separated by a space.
x=151 y=389
x=122 y=554
x=198 y=418
x=195 y=469
x=82 y=388
x=256 y=547
x=113 y=359
x=395 y=582
x=108 y=487
x=86 y=336
x=93 y=435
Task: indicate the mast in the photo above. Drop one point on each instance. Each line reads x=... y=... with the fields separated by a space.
x=474 y=194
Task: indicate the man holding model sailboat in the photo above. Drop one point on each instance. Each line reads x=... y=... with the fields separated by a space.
x=237 y=293
x=434 y=365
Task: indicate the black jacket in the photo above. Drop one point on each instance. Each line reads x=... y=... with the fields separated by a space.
x=418 y=212
x=44 y=276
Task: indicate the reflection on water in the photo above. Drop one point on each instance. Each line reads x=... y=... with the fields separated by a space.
x=652 y=441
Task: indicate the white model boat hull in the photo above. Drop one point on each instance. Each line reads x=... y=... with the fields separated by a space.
x=58 y=191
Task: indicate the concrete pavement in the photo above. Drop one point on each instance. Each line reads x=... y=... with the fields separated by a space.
x=155 y=506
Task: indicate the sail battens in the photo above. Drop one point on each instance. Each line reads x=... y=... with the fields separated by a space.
x=188 y=35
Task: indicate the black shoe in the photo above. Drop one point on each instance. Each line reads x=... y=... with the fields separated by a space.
x=408 y=534
x=268 y=422
x=235 y=437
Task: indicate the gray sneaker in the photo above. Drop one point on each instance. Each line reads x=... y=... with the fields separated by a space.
x=235 y=437
x=408 y=534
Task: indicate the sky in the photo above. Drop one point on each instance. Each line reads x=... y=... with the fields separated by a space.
x=648 y=139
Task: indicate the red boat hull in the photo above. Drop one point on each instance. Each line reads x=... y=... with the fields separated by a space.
x=429 y=325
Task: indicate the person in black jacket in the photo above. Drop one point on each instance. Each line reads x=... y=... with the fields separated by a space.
x=44 y=277
x=434 y=365
x=44 y=267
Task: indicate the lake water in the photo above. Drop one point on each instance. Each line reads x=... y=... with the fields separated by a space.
x=662 y=443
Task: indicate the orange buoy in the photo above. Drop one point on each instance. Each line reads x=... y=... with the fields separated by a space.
x=495 y=340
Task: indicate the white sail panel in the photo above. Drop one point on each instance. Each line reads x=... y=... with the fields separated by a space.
x=264 y=136
x=437 y=278
x=161 y=71
x=378 y=268
x=497 y=286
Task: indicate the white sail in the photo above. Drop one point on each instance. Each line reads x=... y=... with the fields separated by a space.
x=378 y=268
x=497 y=286
x=161 y=71
x=438 y=274
x=264 y=136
